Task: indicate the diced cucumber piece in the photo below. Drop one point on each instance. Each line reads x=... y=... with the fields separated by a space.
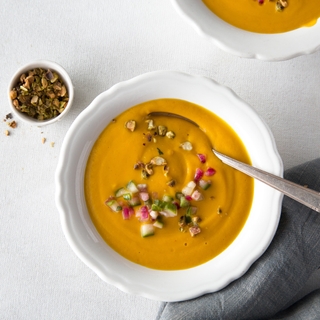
x=188 y=189
x=114 y=205
x=158 y=224
x=184 y=202
x=155 y=207
x=154 y=214
x=120 y=192
x=127 y=196
x=192 y=210
x=159 y=203
x=169 y=210
x=135 y=201
x=204 y=184
x=179 y=195
x=131 y=186
x=147 y=230
x=167 y=198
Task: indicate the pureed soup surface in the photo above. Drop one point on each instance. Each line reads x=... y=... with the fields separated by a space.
x=224 y=207
x=264 y=18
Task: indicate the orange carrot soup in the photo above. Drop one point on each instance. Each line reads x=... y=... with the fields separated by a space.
x=266 y=16
x=158 y=195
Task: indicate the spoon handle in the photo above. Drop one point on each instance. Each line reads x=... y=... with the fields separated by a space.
x=308 y=197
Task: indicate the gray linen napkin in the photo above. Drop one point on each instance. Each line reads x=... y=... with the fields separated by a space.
x=268 y=289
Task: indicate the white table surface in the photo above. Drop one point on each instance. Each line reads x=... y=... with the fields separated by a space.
x=101 y=43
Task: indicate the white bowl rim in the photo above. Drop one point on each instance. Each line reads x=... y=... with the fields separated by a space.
x=110 y=266
x=245 y=44
x=41 y=64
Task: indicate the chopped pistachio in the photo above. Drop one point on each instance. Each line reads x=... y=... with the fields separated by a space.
x=171 y=183
x=13 y=94
x=12 y=124
x=186 y=146
x=131 y=125
x=182 y=222
x=196 y=220
x=149 y=168
x=162 y=130
x=144 y=174
x=170 y=134
x=151 y=126
x=158 y=161
x=194 y=230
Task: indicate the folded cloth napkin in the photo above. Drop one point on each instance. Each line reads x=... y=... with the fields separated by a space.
x=268 y=288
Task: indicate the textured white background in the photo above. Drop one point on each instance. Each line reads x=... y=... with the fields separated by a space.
x=101 y=43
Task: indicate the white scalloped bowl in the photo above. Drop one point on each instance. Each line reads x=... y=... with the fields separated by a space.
x=108 y=264
x=245 y=44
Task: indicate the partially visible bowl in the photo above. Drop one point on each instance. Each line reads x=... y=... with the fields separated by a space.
x=270 y=47
x=89 y=246
x=46 y=65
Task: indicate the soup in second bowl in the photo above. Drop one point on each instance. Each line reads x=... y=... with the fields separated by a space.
x=266 y=16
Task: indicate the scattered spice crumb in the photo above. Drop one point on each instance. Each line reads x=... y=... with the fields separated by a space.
x=7 y=133
x=9 y=116
x=12 y=124
x=43 y=140
x=52 y=144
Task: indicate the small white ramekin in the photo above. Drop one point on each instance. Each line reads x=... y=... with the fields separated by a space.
x=44 y=64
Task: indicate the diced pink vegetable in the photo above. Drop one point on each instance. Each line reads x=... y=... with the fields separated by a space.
x=144 y=196
x=210 y=172
x=196 y=195
x=202 y=157
x=198 y=175
x=144 y=213
x=125 y=213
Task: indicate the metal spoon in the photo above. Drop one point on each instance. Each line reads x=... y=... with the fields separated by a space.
x=308 y=197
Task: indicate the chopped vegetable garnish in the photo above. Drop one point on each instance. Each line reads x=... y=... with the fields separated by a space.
x=147 y=230
x=198 y=174
x=204 y=184
x=132 y=187
x=188 y=189
x=196 y=195
x=114 y=205
x=209 y=172
x=202 y=158
x=158 y=224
